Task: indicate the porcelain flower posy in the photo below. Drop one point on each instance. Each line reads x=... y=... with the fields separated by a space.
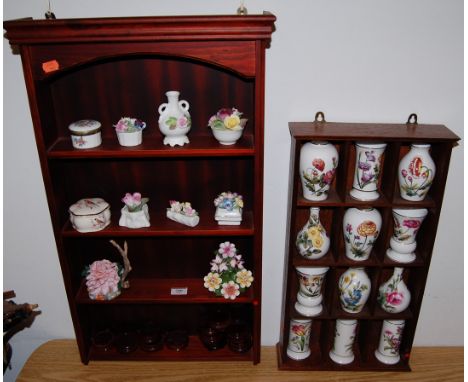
x=103 y=279
x=134 y=202
x=229 y=201
x=129 y=125
x=227 y=119
x=228 y=277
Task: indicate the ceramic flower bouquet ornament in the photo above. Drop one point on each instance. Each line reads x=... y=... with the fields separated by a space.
x=182 y=212
x=229 y=207
x=228 y=277
x=129 y=131
x=135 y=212
x=227 y=125
x=103 y=280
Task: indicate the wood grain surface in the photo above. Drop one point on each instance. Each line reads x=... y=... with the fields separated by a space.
x=58 y=360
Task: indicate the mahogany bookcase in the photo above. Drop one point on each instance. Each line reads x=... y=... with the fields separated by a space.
x=107 y=68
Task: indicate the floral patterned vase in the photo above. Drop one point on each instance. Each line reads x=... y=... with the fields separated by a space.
x=309 y=297
x=174 y=120
x=394 y=296
x=317 y=166
x=312 y=241
x=342 y=350
x=361 y=228
x=403 y=242
x=299 y=337
x=416 y=172
x=367 y=170
x=388 y=351
x=354 y=286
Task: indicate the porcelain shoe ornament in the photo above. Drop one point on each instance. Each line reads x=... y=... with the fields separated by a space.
x=174 y=120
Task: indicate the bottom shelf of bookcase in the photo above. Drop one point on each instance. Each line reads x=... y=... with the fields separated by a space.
x=322 y=362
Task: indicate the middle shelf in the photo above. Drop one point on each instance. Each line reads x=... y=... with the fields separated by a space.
x=155 y=290
x=161 y=226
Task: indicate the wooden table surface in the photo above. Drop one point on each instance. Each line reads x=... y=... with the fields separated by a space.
x=58 y=360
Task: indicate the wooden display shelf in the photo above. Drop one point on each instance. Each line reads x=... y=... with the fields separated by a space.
x=153 y=291
x=166 y=227
x=199 y=146
x=195 y=351
x=105 y=68
x=378 y=266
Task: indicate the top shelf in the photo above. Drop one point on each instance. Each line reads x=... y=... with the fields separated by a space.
x=333 y=131
x=199 y=146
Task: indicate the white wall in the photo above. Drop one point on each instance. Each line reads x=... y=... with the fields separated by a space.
x=358 y=61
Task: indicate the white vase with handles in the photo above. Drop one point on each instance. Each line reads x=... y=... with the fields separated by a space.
x=312 y=241
x=361 y=228
x=406 y=225
x=345 y=334
x=367 y=170
x=174 y=120
x=317 y=167
x=416 y=172
x=309 y=297
x=388 y=351
x=394 y=295
x=299 y=339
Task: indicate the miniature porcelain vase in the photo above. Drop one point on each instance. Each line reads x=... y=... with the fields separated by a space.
x=138 y=219
x=317 y=166
x=367 y=170
x=299 y=337
x=309 y=297
x=312 y=241
x=406 y=225
x=416 y=172
x=342 y=350
x=361 y=228
x=354 y=286
x=394 y=296
x=174 y=120
x=388 y=351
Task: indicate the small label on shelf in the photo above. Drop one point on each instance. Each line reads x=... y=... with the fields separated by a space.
x=50 y=66
x=179 y=291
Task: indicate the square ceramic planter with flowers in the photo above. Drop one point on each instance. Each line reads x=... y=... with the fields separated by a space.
x=229 y=208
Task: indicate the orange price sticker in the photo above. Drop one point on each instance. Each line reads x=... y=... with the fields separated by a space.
x=50 y=66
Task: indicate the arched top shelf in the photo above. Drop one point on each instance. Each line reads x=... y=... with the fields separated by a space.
x=229 y=42
x=235 y=59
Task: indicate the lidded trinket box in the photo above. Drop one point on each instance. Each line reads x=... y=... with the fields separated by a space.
x=90 y=214
x=85 y=133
